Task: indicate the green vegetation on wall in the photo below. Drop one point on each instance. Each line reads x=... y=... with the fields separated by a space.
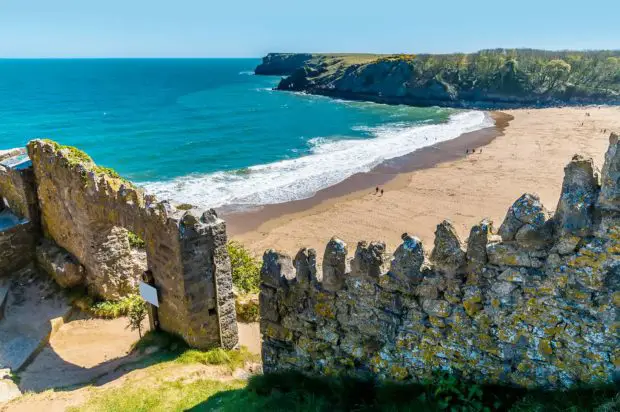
x=135 y=241
x=76 y=156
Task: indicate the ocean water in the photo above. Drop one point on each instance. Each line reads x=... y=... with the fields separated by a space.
x=207 y=131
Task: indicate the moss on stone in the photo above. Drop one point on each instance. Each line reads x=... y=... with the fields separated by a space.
x=76 y=157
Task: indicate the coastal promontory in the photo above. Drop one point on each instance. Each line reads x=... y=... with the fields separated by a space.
x=497 y=78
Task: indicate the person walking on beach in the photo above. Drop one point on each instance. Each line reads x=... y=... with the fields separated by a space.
x=376 y=190
x=381 y=192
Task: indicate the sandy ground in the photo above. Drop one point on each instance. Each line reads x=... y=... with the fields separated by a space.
x=87 y=356
x=529 y=157
x=148 y=377
x=82 y=350
x=249 y=336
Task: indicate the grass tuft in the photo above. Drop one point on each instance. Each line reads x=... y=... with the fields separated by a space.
x=233 y=359
x=111 y=309
x=135 y=241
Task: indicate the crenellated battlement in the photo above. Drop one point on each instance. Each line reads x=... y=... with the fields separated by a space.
x=533 y=303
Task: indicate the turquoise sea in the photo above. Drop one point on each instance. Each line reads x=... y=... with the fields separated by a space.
x=207 y=131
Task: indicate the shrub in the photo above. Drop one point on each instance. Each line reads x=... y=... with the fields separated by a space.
x=245 y=268
x=137 y=314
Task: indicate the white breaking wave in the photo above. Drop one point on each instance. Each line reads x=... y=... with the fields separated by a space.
x=330 y=162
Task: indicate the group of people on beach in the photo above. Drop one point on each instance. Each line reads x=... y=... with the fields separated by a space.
x=377 y=191
x=472 y=151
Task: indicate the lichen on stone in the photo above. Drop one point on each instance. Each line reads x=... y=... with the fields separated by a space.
x=534 y=308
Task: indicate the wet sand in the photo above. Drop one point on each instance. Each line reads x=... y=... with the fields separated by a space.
x=392 y=171
x=525 y=152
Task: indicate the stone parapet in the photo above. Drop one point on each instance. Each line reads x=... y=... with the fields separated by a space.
x=534 y=304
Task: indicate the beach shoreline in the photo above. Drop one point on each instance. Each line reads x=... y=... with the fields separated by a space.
x=525 y=153
x=390 y=174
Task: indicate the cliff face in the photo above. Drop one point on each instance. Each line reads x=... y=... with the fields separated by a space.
x=427 y=81
x=533 y=304
x=279 y=64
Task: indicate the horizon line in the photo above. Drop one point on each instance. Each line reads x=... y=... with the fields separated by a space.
x=126 y=57
x=302 y=52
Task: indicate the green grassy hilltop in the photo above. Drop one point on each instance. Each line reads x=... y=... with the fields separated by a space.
x=499 y=77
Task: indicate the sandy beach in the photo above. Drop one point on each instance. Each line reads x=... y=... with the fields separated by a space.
x=526 y=155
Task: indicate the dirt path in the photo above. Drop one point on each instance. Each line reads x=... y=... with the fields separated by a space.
x=82 y=350
x=152 y=376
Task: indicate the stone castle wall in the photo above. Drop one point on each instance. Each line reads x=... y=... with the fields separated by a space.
x=87 y=212
x=534 y=304
x=17 y=197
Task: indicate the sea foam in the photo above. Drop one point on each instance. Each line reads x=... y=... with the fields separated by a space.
x=328 y=163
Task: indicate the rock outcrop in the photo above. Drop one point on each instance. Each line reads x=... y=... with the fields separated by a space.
x=280 y=64
x=535 y=305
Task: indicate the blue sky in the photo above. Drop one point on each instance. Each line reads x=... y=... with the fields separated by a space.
x=244 y=28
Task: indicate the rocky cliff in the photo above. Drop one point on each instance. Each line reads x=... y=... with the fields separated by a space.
x=491 y=79
x=279 y=64
x=534 y=303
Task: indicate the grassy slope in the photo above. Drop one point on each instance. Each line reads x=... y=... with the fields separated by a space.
x=179 y=379
x=293 y=392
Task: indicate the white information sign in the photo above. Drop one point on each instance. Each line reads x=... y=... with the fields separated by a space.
x=149 y=293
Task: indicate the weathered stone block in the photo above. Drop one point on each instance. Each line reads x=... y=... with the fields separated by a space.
x=277 y=269
x=566 y=244
x=17 y=247
x=533 y=237
x=334 y=265
x=526 y=209
x=60 y=265
x=448 y=254
x=370 y=259
x=305 y=266
x=479 y=237
x=505 y=254
x=438 y=308
x=407 y=262
x=609 y=198
x=580 y=189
